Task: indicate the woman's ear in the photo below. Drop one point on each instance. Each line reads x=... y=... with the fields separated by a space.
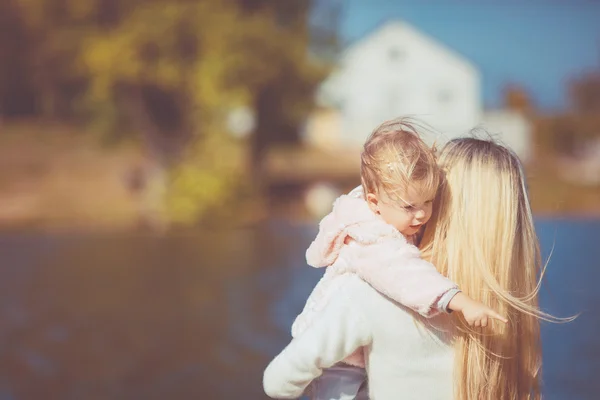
x=373 y=202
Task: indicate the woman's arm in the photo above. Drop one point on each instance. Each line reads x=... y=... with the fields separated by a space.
x=336 y=334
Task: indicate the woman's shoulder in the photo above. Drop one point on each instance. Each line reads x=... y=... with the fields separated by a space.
x=354 y=292
x=357 y=294
x=351 y=287
x=388 y=321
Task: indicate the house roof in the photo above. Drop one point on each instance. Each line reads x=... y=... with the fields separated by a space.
x=399 y=23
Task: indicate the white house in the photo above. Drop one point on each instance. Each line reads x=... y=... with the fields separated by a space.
x=400 y=71
x=511 y=128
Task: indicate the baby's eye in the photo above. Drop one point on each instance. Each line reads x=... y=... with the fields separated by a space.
x=429 y=202
x=409 y=208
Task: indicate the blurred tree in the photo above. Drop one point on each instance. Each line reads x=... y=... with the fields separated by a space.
x=16 y=92
x=570 y=133
x=516 y=98
x=172 y=71
x=585 y=96
x=55 y=29
x=585 y=93
x=282 y=101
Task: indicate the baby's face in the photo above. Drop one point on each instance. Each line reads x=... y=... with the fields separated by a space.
x=407 y=214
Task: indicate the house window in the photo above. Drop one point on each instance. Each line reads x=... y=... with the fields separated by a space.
x=396 y=54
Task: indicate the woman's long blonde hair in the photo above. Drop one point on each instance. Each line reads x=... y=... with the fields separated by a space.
x=481 y=236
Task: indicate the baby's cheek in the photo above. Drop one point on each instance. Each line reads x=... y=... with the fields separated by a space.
x=428 y=212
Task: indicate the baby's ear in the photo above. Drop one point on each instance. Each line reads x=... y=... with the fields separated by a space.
x=373 y=202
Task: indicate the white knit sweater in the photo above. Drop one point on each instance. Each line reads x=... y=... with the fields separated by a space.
x=407 y=356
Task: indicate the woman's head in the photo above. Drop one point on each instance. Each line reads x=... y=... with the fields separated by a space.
x=484 y=192
x=399 y=175
x=481 y=235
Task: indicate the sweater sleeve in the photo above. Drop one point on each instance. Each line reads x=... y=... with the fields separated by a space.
x=324 y=250
x=335 y=335
x=444 y=301
x=397 y=270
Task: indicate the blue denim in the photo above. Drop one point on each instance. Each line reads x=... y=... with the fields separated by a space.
x=340 y=382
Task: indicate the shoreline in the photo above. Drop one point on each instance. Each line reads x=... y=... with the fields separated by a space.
x=56 y=178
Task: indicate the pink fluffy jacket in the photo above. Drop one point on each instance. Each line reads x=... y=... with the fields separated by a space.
x=353 y=239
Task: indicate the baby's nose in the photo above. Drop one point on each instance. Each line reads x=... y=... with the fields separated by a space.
x=420 y=214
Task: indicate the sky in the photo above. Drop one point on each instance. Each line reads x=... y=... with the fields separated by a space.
x=537 y=44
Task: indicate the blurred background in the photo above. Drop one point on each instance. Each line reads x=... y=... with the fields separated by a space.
x=163 y=166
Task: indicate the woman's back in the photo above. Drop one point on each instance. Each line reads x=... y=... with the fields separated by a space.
x=409 y=357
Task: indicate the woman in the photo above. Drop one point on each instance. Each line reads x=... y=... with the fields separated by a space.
x=485 y=240
x=482 y=237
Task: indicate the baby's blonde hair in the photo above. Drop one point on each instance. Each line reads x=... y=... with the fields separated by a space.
x=394 y=157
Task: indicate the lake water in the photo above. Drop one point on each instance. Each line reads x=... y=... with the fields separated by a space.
x=199 y=316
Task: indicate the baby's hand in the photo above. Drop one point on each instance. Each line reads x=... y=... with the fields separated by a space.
x=476 y=314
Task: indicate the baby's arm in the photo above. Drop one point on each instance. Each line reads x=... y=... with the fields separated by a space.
x=316 y=254
x=397 y=270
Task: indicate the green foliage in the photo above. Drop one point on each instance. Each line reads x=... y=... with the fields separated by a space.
x=206 y=183
x=171 y=71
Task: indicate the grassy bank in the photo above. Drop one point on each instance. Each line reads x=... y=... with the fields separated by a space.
x=57 y=176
